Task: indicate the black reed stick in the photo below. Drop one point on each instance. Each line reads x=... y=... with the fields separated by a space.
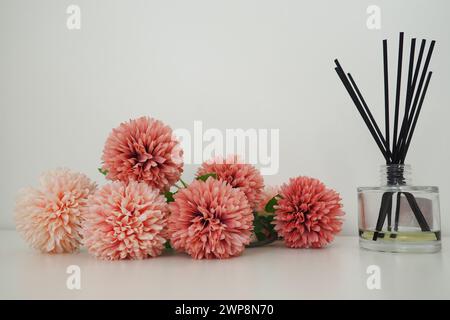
x=386 y=92
x=397 y=211
x=371 y=118
x=416 y=100
x=358 y=105
x=384 y=208
x=397 y=97
x=417 y=212
x=405 y=128
x=422 y=98
x=408 y=93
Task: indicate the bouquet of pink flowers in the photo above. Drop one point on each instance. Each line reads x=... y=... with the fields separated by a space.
x=147 y=208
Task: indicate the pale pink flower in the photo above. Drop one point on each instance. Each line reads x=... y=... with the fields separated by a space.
x=125 y=221
x=239 y=175
x=267 y=195
x=145 y=150
x=307 y=215
x=210 y=220
x=49 y=218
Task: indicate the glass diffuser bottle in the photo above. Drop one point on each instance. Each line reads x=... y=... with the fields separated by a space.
x=397 y=216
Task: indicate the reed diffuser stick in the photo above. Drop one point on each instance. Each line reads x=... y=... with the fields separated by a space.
x=416 y=100
x=417 y=114
x=404 y=129
x=371 y=118
x=361 y=110
x=408 y=93
x=386 y=92
x=397 y=96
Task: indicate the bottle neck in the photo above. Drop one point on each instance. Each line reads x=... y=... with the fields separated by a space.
x=395 y=174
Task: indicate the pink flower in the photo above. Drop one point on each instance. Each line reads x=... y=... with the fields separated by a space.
x=49 y=218
x=267 y=195
x=307 y=215
x=210 y=220
x=125 y=221
x=239 y=175
x=143 y=150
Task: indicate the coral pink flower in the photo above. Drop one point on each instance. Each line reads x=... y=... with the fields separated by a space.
x=50 y=218
x=307 y=215
x=239 y=175
x=146 y=150
x=125 y=221
x=210 y=220
x=267 y=195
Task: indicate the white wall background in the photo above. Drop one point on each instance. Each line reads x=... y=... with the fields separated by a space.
x=231 y=64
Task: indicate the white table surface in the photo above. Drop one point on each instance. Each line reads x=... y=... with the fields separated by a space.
x=272 y=272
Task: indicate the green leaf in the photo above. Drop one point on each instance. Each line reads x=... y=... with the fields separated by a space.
x=103 y=172
x=263 y=229
x=167 y=245
x=270 y=227
x=260 y=236
x=257 y=225
x=169 y=196
x=206 y=176
x=270 y=205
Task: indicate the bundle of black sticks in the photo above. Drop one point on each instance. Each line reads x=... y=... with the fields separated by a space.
x=395 y=153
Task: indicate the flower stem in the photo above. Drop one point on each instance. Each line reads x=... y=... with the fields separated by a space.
x=185 y=185
x=264 y=242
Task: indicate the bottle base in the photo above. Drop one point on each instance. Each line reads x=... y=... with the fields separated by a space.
x=400 y=247
x=401 y=242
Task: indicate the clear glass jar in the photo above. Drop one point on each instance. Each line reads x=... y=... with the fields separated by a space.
x=399 y=217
